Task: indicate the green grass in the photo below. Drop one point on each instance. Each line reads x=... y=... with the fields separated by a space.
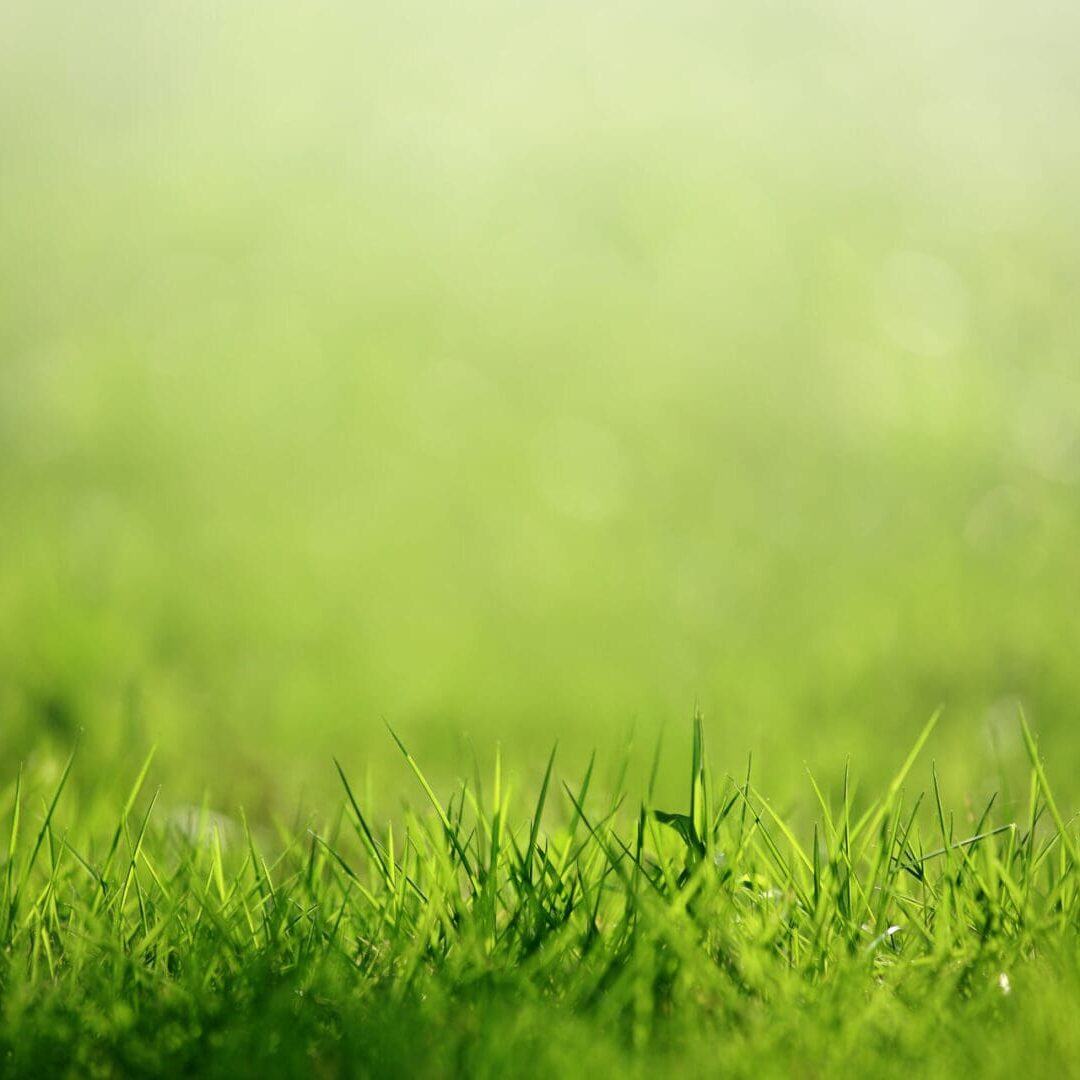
x=565 y=930
x=523 y=374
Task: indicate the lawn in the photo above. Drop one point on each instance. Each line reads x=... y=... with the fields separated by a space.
x=518 y=376
x=594 y=932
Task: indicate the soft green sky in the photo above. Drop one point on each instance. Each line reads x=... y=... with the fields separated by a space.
x=540 y=370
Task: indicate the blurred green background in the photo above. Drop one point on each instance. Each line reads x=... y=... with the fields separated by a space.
x=533 y=371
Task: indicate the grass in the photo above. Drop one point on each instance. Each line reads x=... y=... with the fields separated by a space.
x=580 y=930
x=523 y=373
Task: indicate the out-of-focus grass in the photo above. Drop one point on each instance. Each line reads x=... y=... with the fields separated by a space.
x=540 y=371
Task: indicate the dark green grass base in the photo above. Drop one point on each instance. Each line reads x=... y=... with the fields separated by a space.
x=267 y=1027
x=583 y=936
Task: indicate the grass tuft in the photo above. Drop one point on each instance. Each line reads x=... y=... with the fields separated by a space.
x=880 y=935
